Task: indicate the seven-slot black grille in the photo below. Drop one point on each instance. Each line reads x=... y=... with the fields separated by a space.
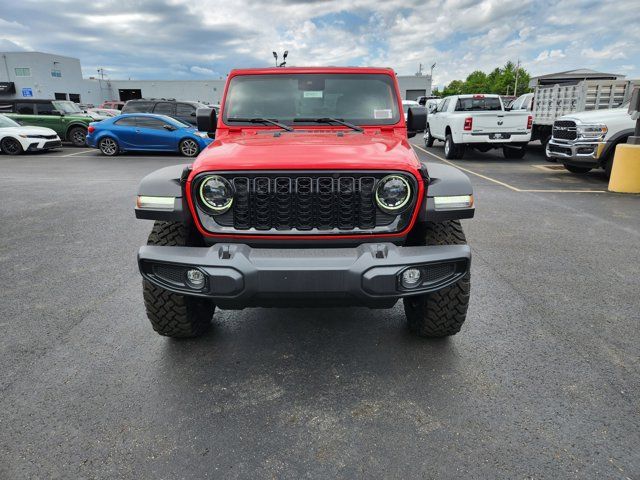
x=564 y=130
x=323 y=202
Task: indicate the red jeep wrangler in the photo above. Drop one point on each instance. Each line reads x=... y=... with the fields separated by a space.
x=310 y=196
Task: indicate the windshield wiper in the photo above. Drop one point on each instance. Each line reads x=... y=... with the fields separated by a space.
x=330 y=120
x=261 y=120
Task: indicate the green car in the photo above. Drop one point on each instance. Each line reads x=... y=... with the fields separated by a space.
x=63 y=116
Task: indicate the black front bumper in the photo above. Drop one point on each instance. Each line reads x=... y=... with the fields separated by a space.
x=238 y=276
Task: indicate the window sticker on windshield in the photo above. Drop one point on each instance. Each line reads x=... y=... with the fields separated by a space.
x=313 y=94
x=386 y=113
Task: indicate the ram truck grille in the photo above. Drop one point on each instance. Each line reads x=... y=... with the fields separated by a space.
x=564 y=130
x=303 y=203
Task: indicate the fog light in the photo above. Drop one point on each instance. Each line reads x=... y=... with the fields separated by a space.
x=195 y=278
x=411 y=277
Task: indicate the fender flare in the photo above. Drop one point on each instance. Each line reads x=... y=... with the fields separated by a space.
x=73 y=125
x=616 y=139
x=444 y=181
x=165 y=182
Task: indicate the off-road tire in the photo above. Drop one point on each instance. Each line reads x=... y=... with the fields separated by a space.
x=514 y=153
x=78 y=136
x=451 y=150
x=11 y=146
x=578 y=170
x=172 y=314
x=428 y=142
x=441 y=313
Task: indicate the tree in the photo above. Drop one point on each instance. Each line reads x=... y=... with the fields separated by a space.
x=499 y=80
x=476 y=83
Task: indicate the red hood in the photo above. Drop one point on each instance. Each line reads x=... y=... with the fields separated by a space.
x=309 y=150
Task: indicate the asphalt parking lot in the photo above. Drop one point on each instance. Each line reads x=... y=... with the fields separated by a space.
x=542 y=382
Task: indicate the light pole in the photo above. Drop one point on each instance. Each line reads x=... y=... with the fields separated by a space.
x=515 y=90
x=284 y=58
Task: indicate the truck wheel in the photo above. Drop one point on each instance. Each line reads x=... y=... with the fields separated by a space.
x=109 y=147
x=574 y=169
x=11 y=146
x=451 y=150
x=441 y=313
x=78 y=136
x=172 y=314
x=428 y=139
x=513 y=153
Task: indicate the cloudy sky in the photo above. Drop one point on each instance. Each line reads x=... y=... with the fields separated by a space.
x=195 y=39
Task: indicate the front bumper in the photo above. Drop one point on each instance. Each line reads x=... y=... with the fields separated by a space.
x=580 y=153
x=43 y=144
x=238 y=276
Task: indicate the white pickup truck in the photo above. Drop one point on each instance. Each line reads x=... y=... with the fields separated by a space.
x=480 y=122
x=585 y=140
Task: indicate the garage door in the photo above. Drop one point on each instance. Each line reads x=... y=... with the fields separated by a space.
x=414 y=94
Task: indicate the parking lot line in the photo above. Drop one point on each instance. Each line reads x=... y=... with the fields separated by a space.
x=511 y=187
x=86 y=150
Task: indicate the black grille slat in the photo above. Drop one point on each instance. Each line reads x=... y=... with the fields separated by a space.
x=324 y=203
x=241 y=209
x=298 y=202
x=367 y=206
x=304 y=203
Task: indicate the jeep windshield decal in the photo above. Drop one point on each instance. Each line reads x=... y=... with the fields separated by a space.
x=345 y=99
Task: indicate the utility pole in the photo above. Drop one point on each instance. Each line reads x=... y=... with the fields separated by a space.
x=431 y=78
x=101 y=72
x=515 y=90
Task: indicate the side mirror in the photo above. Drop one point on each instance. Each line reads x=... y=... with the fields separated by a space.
x=422 y=101
x=56 y=112
x=507 y=109
x=193 y=114
x=171 y=128
x=432 y=108
x=416 y=121
x=207 y=120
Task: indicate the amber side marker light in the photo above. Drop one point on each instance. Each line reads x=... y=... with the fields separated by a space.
x=454 y=202
x=155 y=203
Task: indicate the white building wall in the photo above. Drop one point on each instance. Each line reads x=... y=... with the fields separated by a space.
x=41 y=82
x=206 y=91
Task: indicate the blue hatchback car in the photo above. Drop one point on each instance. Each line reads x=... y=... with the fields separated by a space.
x=145 y=132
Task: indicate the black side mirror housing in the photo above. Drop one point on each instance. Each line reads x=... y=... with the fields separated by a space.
x=207 y=120
x=416 y=121
x=56 y=112
x=171 y=128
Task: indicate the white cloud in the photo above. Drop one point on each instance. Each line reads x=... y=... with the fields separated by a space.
x=460 y=35
x=202 y=70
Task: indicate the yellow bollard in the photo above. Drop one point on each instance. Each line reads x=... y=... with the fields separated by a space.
x=625 y=174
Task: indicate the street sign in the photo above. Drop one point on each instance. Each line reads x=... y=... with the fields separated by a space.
x=27 y=92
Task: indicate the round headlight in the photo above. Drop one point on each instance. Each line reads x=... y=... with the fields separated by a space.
x=393 y=193
x=216 y=193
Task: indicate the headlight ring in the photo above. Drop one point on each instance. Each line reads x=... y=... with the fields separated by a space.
x=393 y=194
x=216 y=194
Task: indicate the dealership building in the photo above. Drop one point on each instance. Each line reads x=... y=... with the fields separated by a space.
x=45 y=75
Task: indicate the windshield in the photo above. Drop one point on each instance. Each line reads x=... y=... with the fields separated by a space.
x=7 y=122
x=476 y=104
x=66 y=106
x=357 y=98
